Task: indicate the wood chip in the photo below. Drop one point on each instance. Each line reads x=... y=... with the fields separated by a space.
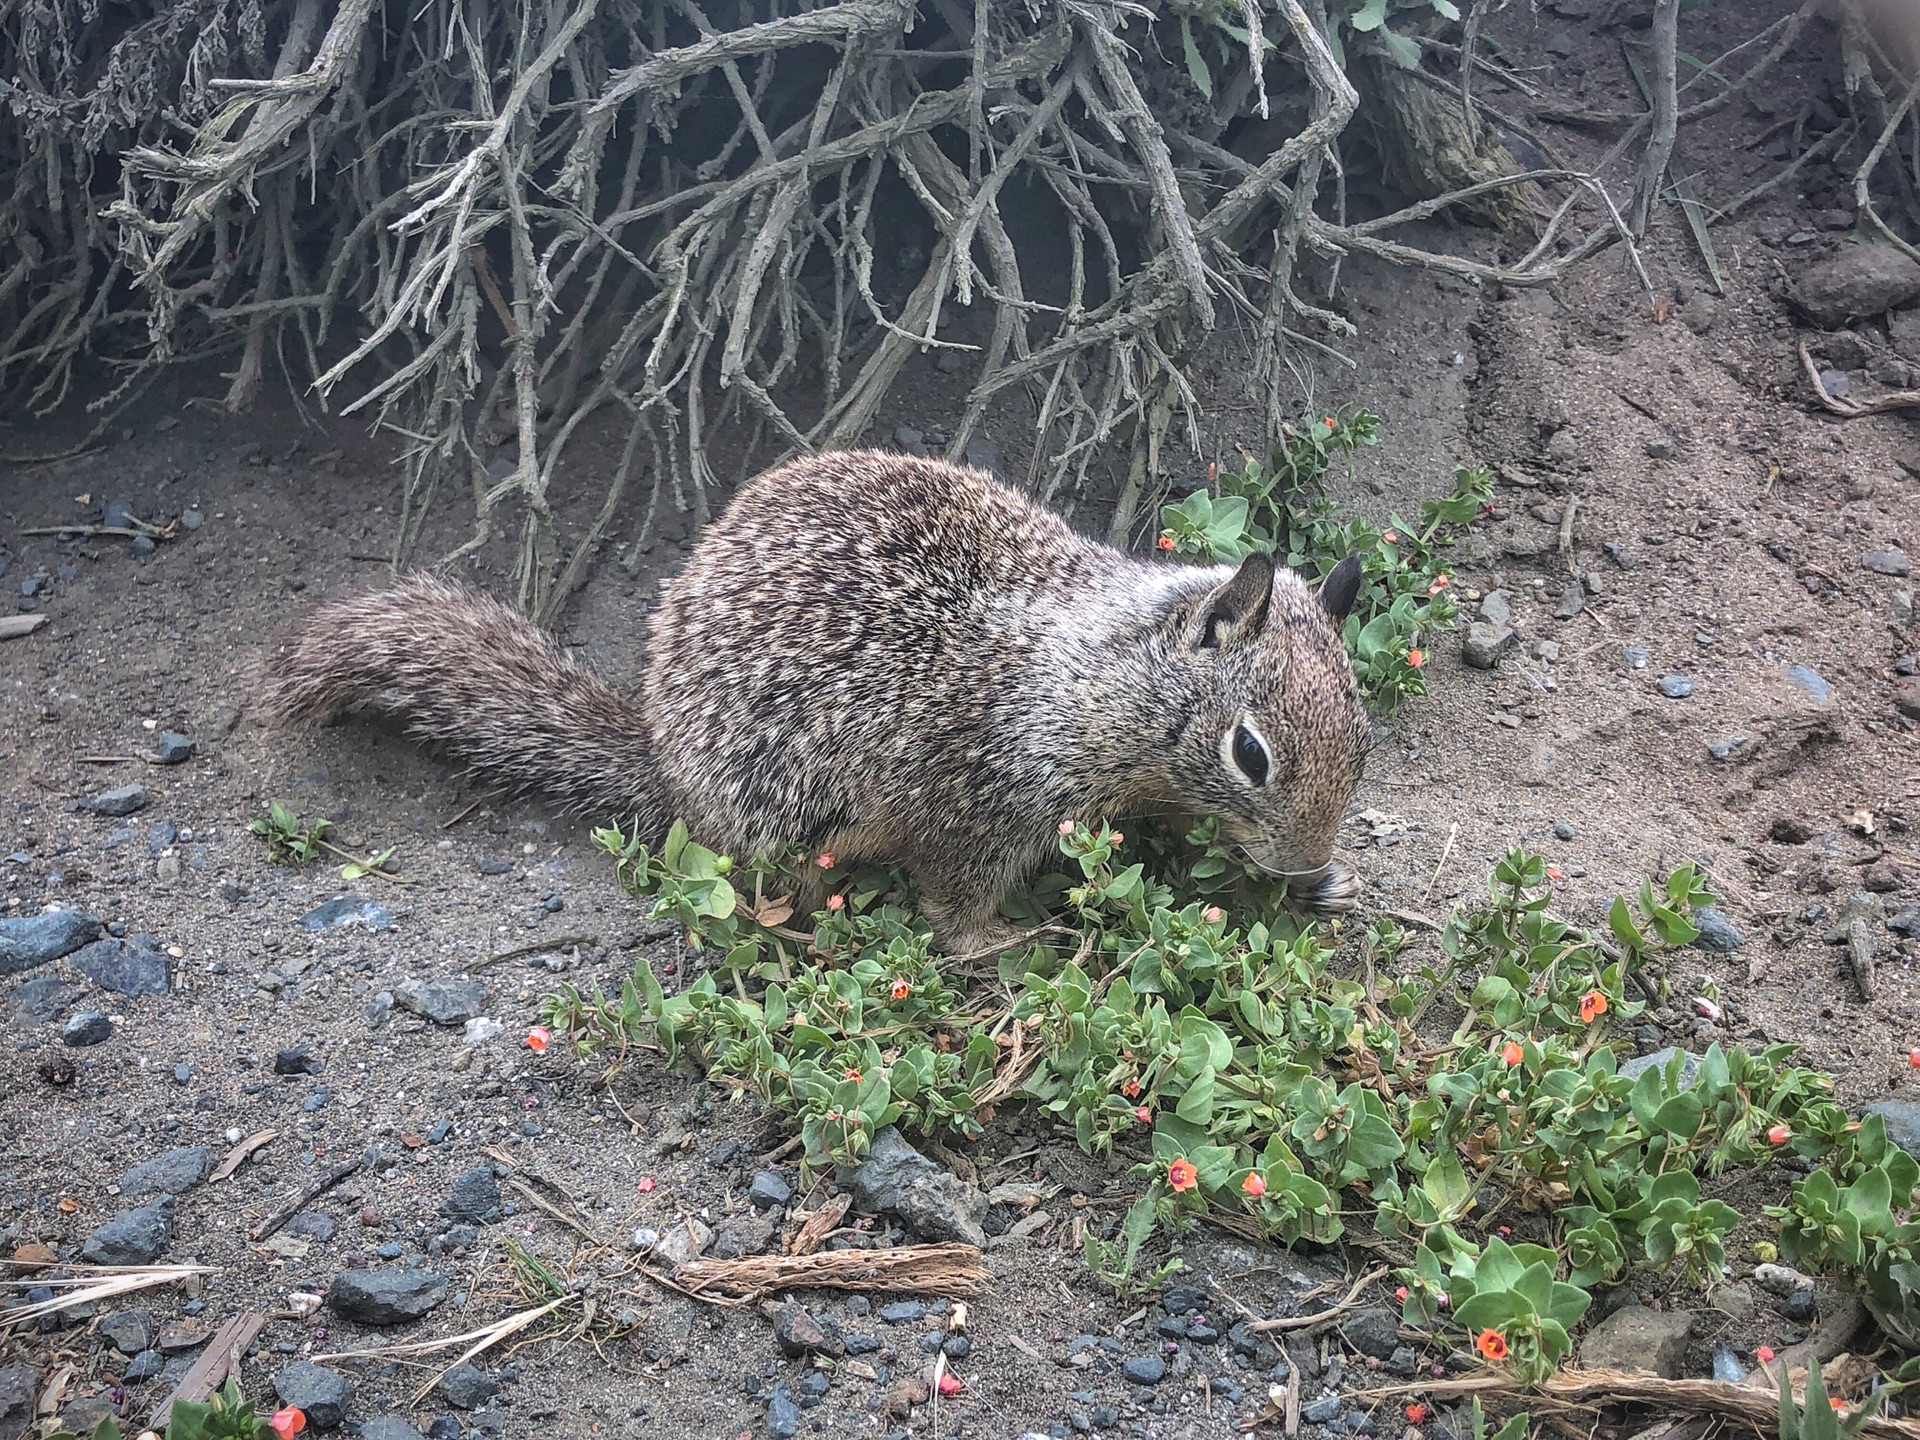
x=236 y=1156
x=12 y=627
x=210 y=1371
x=949 y=1270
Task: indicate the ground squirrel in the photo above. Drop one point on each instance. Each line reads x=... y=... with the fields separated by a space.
x=898 y=660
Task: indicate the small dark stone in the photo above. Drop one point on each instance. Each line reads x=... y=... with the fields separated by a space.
x=386 y=1297
x=769 y=1188
x=144 y=1366
x=1182 y=1299
x=132 y=967
x=1887 y=562
x=323 y=1394
x=129 y=1332
x=1562 y=830
x=798 y=1334
x=1790 y=830
x=173 y=1173
x=392 y=1427
x=297 y=1061
x=1374 y=1331
x=902 y=1312
x=488 y=866
x=160 y=835
x=896 y=1177
x=783 y=1413
x=1718 y=934
x=467 y=1387
x=1675 y=687
x=957 y=1347
x=86 y=1027
x=440 y=1131
x=1323 y=1411
x=813 y=1388
x=27 y=941
x=445 y=1001
x=314 y=1225
x=1173 y=1327
x=1906 y=923
x=475 y=1196
x=172 y=748
x=443 y=1427
x=862 y=1344
x=1144 y=1369
x=133 y=1237
x=121 y=800
x=1811 y=681
x=1244 y=1341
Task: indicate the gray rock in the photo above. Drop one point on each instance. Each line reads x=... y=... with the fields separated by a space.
x=1856 y=280
x=1735 y=1299
x=19 y=1394
x=389 y=1427
x=684 y=1242
x=386 y=1297
x=476 y=1197
x=1636 y=1338
x=1675 y=687
x=121 y=800
x=1835 y=383
x=173 y=1173
x=1635 y=656
x=1902 y=1119
x=896 y=1177
x=783 y=1413
x=1811 y=681
x=444 y=1001
x=172 y=748
x=769 y=1188
x=30 y=940
x=1907 y=922
x=1700 y=312
x=144 y=1366
x=1718 y=934
x=799 y=1333
x=314 y=1225
x=1887 y=562
x=129 y=1332
x=1689 y=1068
x=1484 y=644
x=1496 y=608
x=1781 y=1280
x=1374 y=1331
x=467 y=1387
x=1144 y=1369
x=1728 y=748
x=348 y=910
x=160 y=835
x=742 y=1236
x=43 y=998
x=325 y=1395
x=132 y=967
x=1564 y=445
x=86 y=1027
x=133 y=1237
x=1323 y=1411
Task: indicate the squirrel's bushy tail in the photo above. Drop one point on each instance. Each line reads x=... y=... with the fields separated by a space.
x=466 y=671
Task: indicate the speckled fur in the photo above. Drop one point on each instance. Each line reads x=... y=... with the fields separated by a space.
x=890 y=659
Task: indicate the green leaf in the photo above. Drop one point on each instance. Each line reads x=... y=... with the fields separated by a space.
x=1196 y=67
x=1404 y=51
x=1196 y=1106
x=1370 y=16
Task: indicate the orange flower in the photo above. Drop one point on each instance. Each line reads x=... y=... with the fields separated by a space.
x=1328 y=422
x=824 y=859
x=901 y=989
x=1764 y=1354
x=853 y=1074
x=1400 y=1294
x=1255 y=1184
x=1416 y=1414
x=1779 y=1135
x=1592 y=1006
x=1114 y=837
x=1511 y=1053
x=647 y=1182
x=1181 y=1175
x=538 y=1038
x=950 y=1384
x=1440 y=582
x=1554 y=872
x=1416 y=658
x=1130 y=1089
x=1913 y=1057
x=1143 y=1115
x=289 y=1422
x=1165 y=542
x=836 y=902
x=1392 y=537
x=1492 y=1344
x=1066 y=827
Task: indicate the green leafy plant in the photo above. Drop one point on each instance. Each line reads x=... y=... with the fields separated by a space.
x=1279 y=504
x=1820 y=1418
x=288 y=836
x=229 y=1415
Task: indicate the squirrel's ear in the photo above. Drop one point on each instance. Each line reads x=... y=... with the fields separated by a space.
x=1238 y=609
x=1341 y=588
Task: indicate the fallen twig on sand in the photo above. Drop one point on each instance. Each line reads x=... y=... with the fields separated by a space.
x=952 y=1271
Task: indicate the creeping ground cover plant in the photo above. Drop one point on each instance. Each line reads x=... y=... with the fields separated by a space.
x=1461 y=1099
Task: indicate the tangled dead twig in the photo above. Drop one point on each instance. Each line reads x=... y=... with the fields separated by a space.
x=1854 y=409
x=727 y=227
x=950 y=1270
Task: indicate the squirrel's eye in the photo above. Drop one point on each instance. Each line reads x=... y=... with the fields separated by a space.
x=1250 y=755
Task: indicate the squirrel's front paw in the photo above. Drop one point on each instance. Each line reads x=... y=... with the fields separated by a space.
x=1335 y=892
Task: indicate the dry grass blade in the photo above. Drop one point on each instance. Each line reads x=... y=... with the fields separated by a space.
x=475 y=1340
x=92 y=1285
x=952 y=1271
